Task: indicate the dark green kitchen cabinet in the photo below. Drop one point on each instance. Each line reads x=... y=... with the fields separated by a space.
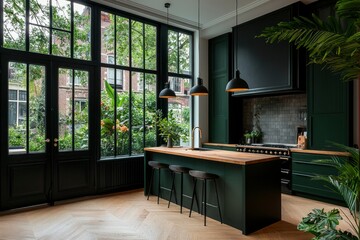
x=269 y=68
x=224 y=111
x=304 y=169
x=329 y=100
x=328 y=108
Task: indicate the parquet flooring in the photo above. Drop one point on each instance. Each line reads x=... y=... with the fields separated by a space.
x=129 y=216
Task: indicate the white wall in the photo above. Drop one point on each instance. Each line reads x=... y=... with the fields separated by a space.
x=201 y=104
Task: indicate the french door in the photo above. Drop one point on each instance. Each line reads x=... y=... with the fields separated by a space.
x=47 y=151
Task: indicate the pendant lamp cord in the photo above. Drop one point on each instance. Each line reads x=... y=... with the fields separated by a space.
x=167 y=6
x=236 y=33
x=199 y=33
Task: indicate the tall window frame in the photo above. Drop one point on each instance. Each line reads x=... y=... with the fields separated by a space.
x=180 y=65
x=124 y=39
x=152 y=77
x=65 y=25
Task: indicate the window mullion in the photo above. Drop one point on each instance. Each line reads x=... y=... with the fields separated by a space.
x=27 y=107
x=73 y=110
x=130 y=87
x=143 y=85
x=178 y=52
x=115 y=90
x=50 y=26
x=27 y=26
x=72 y=43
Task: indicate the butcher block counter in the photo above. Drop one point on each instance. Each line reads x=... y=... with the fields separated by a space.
x=249 y=184
x=215 y=155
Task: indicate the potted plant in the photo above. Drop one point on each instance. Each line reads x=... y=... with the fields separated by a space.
x=347 y=184
x=256 y=136
x=170 y=129
x=248 y=137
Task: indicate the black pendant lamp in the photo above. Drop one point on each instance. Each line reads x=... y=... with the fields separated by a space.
x=167 y=92
x=236 y=84
x=199 y=89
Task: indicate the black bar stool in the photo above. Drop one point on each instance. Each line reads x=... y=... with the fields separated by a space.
x=204 y=176
x=156 y=165
x=177 y=169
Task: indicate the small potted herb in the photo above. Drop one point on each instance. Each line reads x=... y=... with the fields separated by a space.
x=247 y=137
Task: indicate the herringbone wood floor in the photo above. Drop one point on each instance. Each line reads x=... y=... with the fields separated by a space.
x=129 y=216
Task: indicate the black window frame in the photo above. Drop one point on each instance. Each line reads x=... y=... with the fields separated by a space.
x=161 y=72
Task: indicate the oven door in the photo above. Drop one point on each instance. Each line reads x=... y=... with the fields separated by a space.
x=286 y=175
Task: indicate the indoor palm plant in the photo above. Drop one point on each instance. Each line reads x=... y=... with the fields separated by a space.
x=347 y=184
x=335 y=43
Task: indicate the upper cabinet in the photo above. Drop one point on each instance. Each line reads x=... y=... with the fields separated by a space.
x=224 y=125
x=269 y=68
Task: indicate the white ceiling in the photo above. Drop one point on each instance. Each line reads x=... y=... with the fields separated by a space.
x=216 y=16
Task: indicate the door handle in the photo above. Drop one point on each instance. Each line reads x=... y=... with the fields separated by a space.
x=47 y=140
x=56 y=140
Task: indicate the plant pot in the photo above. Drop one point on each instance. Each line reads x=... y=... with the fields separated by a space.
x=169 y=142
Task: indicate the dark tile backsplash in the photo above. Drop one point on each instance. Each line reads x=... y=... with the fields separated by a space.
x=277 y=116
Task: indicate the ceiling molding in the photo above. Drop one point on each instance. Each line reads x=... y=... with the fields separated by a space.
x=232 y=14
x=155 y=13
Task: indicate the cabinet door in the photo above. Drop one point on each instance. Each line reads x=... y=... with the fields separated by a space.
x=304 y=169
x=328 y=104
x=269 y=68
x=219 y=69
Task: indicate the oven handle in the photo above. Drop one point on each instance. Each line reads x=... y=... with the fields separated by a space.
x=285 y=158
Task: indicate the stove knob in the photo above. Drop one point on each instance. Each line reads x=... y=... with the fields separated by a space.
x=271 y=152
x=257 y=151
x=238 y=150
x=266 y=151
x=275 y=153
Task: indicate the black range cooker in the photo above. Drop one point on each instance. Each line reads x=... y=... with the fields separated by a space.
x=277 y=149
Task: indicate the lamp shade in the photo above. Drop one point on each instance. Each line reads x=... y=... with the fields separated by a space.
x=237 y=84
x=199 y=89
x=167 y=92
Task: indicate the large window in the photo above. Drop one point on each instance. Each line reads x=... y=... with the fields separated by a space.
x=122 y=71
x=180 y=75
x=128 y=85
x=55 y=27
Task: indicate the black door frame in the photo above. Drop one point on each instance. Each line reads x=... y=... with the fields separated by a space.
x=74 y=159
x=12 y=164
x=44 y=161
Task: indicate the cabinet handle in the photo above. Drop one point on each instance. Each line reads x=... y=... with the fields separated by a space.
x=47 y=140
x=56 y=140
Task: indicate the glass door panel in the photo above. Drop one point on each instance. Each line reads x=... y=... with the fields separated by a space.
x=26 y=121
x=73 y=114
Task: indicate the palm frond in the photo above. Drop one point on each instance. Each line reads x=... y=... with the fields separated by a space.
x=347 y=182
x=329 y=42
x=349 y=9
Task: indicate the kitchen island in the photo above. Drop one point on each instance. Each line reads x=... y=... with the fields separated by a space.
x=249 y=184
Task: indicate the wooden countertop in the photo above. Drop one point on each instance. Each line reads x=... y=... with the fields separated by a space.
x=294 y=150
x=215 y=155
x=321 y=152
x=220 y=144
